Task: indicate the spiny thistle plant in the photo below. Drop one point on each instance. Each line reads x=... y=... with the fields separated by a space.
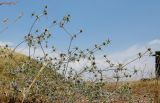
x=54 y=78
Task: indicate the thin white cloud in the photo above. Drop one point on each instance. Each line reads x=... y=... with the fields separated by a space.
x=3 y=43
x=153 y=42
x=145 y=64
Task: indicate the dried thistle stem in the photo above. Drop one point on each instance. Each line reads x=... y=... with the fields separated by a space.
x=25 y=92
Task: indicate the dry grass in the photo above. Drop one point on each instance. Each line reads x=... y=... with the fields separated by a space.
x=147 y=90
x=140 y=92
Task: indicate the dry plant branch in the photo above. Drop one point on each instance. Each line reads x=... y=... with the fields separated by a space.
x=26 y=91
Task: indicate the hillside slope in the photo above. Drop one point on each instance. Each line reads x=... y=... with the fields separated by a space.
x=17 y=72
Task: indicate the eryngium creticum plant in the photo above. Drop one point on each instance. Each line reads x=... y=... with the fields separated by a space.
x=55 y=78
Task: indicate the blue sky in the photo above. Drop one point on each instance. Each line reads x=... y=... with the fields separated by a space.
x=125 y=22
